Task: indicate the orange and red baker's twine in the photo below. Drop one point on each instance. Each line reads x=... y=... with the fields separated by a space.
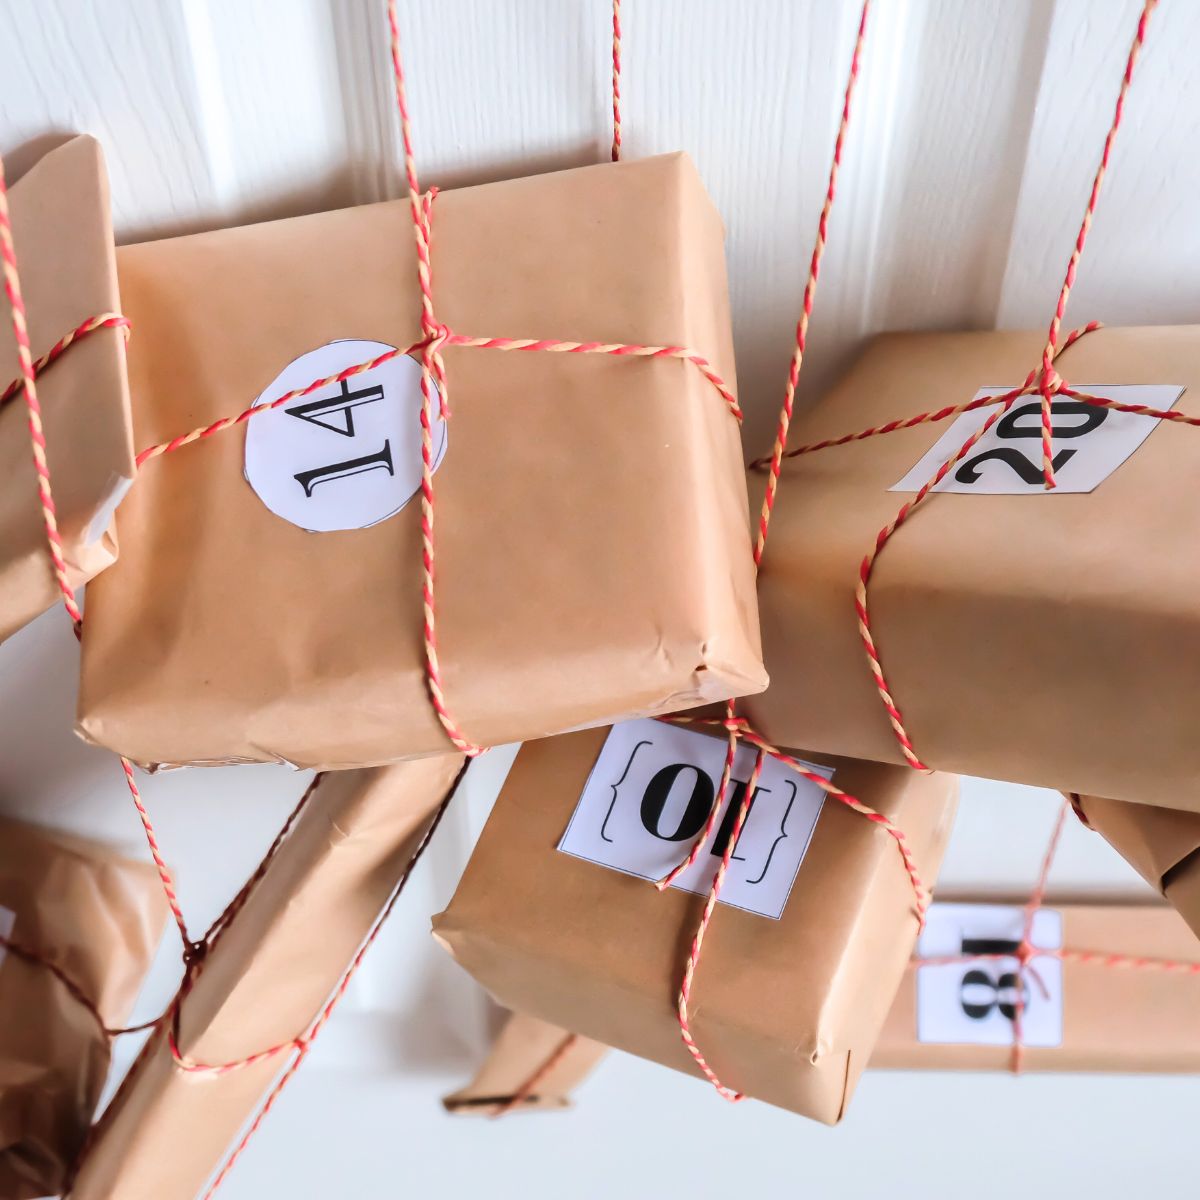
x=435 y=337
x=1026 y=951
x=530 y=1086
x=1045 y=382
x=735 y=727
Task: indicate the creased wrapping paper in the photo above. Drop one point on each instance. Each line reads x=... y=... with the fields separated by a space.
x=64 y=246
x=786 y=1011
x=97 y=917
x=593 y=554
x=1047 y=639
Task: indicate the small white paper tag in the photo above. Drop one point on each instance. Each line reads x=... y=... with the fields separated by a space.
x=1090 y=443
x=348 y=455
x=652 y=790
x=973 y=1001
x=8 y=919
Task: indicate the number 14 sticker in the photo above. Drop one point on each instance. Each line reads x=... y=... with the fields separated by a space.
x=1090 y=443
x=972 y=997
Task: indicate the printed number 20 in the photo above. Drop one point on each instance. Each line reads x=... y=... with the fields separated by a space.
x=1011 y=426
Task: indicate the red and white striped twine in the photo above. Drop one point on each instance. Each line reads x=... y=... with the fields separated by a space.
x=1045 y=382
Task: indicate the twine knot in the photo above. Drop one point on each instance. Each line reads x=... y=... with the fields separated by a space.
x=194 y=954
x=1051 y=382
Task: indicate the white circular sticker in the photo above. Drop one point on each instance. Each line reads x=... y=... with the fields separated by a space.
x=347 y=455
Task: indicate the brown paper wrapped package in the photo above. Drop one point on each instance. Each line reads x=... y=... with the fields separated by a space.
x=263 y=982
x=786 y=1010
x=527 y=1052
x=1114 y=1019
x=1161 y=845
x=593 y=554
x=64 y=249
x=1045 y=639
x=98 y=918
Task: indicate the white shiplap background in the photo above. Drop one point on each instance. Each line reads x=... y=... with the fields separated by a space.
x=973 y=143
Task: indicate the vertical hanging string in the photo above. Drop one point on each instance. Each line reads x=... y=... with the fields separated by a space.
x=733 y=725
x=1026 y=950
x=710 y=903
x=810 y=291
x=1050 y=383
x=616 y=80
x=37 y=437
x=432 y=364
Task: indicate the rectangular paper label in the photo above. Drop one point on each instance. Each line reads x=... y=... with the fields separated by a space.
x=8 y=919
x=650 y=794
x=971 y=1001
x=1090 y=443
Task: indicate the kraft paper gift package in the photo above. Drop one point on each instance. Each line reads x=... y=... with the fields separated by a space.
x=97 y=918
x=63 y=235
x=594 y=570
x=1161 y=845
x=1084 y=1014
x=1043 y=638
x=828 y=924
x=263 y=981
x=533 y=1066
x=593 y=556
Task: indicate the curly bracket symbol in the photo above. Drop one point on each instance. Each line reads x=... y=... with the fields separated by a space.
x=781 y=836
x=614 y=786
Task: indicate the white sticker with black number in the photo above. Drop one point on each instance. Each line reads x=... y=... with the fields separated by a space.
x=348 y=455
x=1090 y=443
x=971 y=997
x=651 y=792
x=7 y=920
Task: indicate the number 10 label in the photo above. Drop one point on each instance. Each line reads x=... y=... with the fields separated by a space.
x=651 y=792
x=1090 y=443
x=346 y=455
x=972 y=996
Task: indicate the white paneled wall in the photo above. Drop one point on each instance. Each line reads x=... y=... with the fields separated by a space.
x=974 y=138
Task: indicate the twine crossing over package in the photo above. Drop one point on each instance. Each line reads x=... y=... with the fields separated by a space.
x=262 y=983
x=552 y=917
x=593 y=553
x=77 y=908
x=1048 y=638
x=62 y=232
x=1124 y=996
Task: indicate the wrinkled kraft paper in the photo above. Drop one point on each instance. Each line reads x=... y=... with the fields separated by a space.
x=99 y=918
x=166 y=1130
x=521 y=1052
x=64 y=246
x=1044 y=639
x=593 y=553
x=1113 y=1019
x=786 y=1011
x=1162 y=846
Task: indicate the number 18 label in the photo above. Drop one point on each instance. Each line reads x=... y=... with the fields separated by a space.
x=651 y=792
x=1090 y=442
x=972 y=996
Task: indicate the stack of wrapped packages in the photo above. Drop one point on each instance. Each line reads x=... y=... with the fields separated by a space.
x=1014 y=648
x=593 y=560
x=585 y=517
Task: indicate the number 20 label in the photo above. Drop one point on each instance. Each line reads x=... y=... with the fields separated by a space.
x=972 y=995
x=1090 y=443
x=651 y=792
x=347 y=455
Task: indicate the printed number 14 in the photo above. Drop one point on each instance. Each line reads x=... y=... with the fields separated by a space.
x=336 y=413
